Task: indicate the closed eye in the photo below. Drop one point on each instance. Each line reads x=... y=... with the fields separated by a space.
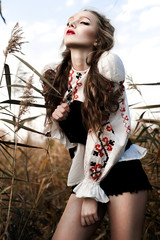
x=85 y=23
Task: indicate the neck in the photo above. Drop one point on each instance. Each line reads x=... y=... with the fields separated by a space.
x=78 y=58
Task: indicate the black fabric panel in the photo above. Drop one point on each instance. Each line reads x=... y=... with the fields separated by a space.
x=125 y=176
x=72 y=126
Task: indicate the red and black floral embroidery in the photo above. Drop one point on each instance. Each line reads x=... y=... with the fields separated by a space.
x=78 y=75
x=96 y=171
x=105 y=145
x=125 y=118
x=78 y=85
x=109 y=127
x=124 y=114
x=72 y=90
x=101 y=150
x=70 y=78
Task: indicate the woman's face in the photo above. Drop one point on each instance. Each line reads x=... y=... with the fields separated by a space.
x=81 y=31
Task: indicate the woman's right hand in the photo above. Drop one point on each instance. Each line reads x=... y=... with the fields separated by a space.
x=89 y=212
x=61 y=112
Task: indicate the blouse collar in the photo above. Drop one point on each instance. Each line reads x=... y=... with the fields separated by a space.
x=82 y=72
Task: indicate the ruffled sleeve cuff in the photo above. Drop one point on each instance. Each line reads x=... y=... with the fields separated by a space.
x=56 y=132
x=134 y=152
x=89 y=189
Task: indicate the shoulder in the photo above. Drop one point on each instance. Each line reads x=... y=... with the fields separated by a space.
x=111 y=66
x=49 y=66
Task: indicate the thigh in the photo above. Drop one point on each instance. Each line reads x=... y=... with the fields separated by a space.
x=126 y=215
x=69 y=227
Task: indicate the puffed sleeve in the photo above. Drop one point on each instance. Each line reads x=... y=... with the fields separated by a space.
x=104 y=151
x=52 y=129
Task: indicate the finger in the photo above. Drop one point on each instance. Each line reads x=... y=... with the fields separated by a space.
x=83 y=222
x=87 y=221
x=54 y=116
x=91 y=219
x=62 y=110
x=57 y=115
x=65 y=105
x=96 y=217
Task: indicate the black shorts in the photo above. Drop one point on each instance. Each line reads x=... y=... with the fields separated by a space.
x=125 y=176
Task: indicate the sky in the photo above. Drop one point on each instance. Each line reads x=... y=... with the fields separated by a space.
x=137 y=36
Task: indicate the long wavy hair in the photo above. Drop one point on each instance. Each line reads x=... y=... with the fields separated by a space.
x=102 y=96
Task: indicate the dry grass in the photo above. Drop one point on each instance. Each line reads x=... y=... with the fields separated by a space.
x=40 y=193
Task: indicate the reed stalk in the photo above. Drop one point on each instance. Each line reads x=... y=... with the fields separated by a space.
x=12 y=186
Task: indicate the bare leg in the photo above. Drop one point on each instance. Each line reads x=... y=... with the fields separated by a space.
x=69 y=227
x=126 y=214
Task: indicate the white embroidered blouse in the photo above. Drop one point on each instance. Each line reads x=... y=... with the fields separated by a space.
x=93 y=161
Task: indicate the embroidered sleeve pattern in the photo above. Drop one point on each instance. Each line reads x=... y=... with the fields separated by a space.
x=75 y=86
x=124 y=111
x=78 y=85
x=101 y=150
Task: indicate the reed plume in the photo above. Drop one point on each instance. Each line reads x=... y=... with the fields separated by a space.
x=27 y=99
x=131 y=85
x=15 y=42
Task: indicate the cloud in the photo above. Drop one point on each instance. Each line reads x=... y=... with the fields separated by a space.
x=143 y=60
x=70 y=2
x=129 y=9
x=123 y=17
x=53 y=35
x=150 y=19
x=123 y=39
x=39 y=28
x=86 y=1
x=134 y=5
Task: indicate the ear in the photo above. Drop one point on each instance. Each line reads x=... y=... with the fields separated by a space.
x=96 y=43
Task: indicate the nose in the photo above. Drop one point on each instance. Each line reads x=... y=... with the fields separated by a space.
x=72 y=24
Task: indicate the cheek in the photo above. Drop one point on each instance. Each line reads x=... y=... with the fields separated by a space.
x=89 y=34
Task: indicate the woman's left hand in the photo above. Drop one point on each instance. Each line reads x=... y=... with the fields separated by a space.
x=89 y=212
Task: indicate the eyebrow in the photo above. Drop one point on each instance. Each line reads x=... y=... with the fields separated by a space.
x=80 y=18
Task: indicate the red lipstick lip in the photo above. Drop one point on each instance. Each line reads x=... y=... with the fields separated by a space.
x=70 y=32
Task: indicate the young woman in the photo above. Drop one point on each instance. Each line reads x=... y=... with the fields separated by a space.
x=92 y=120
